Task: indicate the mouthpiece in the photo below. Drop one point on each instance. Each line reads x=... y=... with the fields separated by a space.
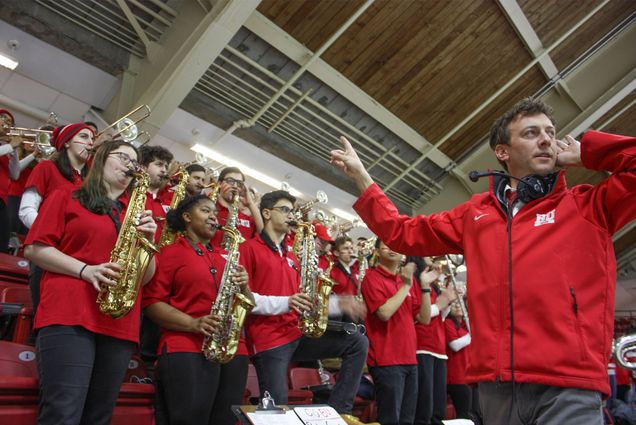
x=292 y=223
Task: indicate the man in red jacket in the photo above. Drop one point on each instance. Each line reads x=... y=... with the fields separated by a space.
x=540 y=261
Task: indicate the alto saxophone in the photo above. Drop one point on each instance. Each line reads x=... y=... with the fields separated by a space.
x=232 y=219
x=230 y=305
x=313 y=282
x=133 y=252
x=167 y=235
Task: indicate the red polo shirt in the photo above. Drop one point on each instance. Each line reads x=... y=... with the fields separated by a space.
x=457 y=360
x=159 y=204
x=270 y=273
x=245 y=224
x=16 y=187
x=65 y=224
x=46 y=178
x=186 y=282
x=432 y=337
x=392 y=342
x=347 y=283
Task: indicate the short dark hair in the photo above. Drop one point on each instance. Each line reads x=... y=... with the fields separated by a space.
x=340 y=240
x=377 y=243
x=500 y=130
x=193 y=168
x=269 y=199
x=147 y=154
x=174 y=218
x=91 y=124
x=228 y=170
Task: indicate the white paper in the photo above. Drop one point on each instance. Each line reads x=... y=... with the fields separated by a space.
x=319 y=415
x=287 y=418
x=458 y=422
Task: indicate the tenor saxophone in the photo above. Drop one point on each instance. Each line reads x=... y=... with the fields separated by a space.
x=230 y=305
x=133 y=252
x=167 y=235
x=313 y=282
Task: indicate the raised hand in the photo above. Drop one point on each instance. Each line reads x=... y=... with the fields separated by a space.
x=348 y=161
x=568 y=152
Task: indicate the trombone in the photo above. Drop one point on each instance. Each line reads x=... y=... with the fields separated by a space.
x=126 y=127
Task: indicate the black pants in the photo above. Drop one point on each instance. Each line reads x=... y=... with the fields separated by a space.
x=271 y=365
x=396 y=393
x=198 y=392
x=35 y=276
x=462 y=396
x=431 y=395
x=80 y=375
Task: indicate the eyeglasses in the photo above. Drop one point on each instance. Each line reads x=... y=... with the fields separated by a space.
x=284 y=209
x=125 y=159
x=233 y=182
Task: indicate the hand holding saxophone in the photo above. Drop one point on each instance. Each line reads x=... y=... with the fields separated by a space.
x=147 y=225
x=300 y=303
x=101 y=274
x=240 y=277
x=206 y=325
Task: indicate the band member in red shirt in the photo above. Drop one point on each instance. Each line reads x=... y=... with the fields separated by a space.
x=249 y=221
x=273 y=334
x=196 y=181
x=457 y=346
x=155 y=160
x=179 y=299
x=8 y=166
x=83 y=353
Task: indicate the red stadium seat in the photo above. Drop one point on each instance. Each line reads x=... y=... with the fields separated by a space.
x=17 y=360
x=294 y=396
x=16 y=294
x=302 y=377
x=13 y=269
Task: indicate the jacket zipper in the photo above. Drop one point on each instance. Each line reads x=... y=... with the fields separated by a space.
x=577 y=325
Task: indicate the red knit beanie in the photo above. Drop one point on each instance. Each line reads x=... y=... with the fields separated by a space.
x=6 y=112
x=63 y=134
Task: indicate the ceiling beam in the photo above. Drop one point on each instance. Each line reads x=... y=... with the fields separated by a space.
x=275 y=36
x=172 y=68
x=531 y=40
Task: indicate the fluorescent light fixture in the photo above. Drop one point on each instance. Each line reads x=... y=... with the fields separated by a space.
x=8 y=61
x=264 y=178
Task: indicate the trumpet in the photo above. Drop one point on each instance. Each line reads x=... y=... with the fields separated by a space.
x=302 y=210
x=126 y=127
x=31 y=136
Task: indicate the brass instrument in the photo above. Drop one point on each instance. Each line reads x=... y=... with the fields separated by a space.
x=167 y=235
x=231 y=221
x=214 y=191
x=133 y=252
x=302 y=211
x=451 y=262
x=621 y=347
x=41 y=139
x=230 y=305
x=363 y=251
x=313 y=282
x=126 y=128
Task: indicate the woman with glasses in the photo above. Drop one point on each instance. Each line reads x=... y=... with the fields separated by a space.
x=83 y=354
x=66 y=170
x=179 y=298
x=249 y=221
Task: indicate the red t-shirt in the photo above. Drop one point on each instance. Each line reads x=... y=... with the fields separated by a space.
x=16 y=187
x=244 y=223
x=347 y=282
x=270 y=273
x=432 y=337
x=46 y=178
x=457 y=360
x=159 y=205
x=186 y=282
x=68 y=300
x=392 y=342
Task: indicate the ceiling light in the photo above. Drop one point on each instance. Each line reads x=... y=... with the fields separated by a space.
x=9 y=61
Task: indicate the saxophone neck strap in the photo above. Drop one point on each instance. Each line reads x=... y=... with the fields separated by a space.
x=115 y=214
x=206 y=258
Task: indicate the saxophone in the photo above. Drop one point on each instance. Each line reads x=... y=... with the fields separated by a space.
x=167 y=235
x=231 y=221
x=133 y=252
x=230 y=305
x=313 y=282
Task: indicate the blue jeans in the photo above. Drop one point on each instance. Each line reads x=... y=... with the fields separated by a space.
x=396 y=393
x=271 y=365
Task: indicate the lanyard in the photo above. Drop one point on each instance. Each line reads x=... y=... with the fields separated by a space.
x=206 y=258
x=115 y=214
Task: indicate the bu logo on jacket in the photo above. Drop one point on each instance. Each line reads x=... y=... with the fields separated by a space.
x=547 y=218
